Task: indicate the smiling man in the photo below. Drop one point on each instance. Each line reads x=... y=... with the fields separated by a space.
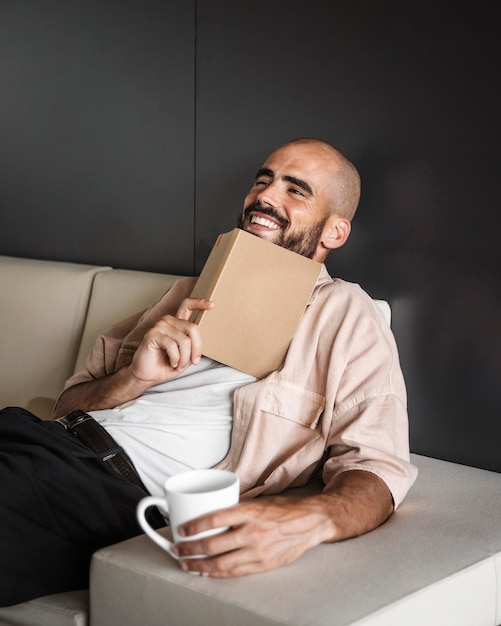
x=303 y=199
x=335 y=409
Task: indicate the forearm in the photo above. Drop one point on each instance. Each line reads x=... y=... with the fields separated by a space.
x=354 y=503
x=103 y=393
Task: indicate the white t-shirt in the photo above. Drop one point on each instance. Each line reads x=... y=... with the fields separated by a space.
x=178 y=425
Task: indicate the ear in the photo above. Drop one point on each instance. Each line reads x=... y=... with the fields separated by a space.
x=335 y=233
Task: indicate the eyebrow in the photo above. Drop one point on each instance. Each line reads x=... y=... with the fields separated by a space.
x=291 y=179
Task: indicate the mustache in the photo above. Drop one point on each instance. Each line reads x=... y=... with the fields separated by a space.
x=269 y=211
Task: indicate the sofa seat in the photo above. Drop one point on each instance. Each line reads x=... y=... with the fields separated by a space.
x=60 y=609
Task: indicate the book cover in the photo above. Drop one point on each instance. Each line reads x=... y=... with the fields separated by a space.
x=260 y=291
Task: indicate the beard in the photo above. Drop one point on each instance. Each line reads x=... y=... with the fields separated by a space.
x=304 y=241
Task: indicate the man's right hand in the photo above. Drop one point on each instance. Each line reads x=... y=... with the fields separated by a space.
x=170 y=346
x=166 y=350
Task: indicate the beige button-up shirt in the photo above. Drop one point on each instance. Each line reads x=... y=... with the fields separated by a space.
x=337 y=403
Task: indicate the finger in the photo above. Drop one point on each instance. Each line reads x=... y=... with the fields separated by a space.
x=178 y=350
x=189 y=305
x=241 y=562
x=180 y=340
x=209 y=546
x=222 y=518
x=230 y=565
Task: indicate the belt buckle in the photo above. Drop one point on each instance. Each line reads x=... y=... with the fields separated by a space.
x=73 y=419
x=64 y=422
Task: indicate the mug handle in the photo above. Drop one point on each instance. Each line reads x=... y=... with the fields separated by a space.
x=142 y=506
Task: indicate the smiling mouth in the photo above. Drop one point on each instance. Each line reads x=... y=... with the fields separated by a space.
x=262 y=221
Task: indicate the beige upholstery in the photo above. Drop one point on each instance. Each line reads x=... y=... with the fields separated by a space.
x=115 y=296
x=61 y=609
x=43 y=305
x=437 y=561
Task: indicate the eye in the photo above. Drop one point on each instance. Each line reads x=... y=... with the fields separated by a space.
x=296 y=192
x=261 y=183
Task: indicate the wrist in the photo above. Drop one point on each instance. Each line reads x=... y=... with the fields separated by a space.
x=129 y=380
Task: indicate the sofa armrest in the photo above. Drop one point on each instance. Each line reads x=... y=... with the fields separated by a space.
x=435 y=561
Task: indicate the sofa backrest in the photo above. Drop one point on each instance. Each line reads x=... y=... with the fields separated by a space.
x=115 y=296
x=51 y=313
x=43 y=306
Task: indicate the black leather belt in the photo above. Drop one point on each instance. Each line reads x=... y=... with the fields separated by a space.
x=94 y=436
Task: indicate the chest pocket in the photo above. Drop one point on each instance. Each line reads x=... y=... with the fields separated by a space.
x=293 y=403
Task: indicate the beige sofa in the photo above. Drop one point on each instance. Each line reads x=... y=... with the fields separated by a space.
x=436 y=561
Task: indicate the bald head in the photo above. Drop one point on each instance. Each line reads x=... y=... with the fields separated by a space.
x=344 y=185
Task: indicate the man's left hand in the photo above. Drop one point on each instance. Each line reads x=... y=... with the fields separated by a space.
x=268 y=532
x=263 y=534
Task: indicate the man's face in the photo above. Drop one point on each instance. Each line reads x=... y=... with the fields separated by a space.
x=288 y=202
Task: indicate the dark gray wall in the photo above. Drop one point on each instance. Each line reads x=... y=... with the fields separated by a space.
x=130 y=132
x=97 y=131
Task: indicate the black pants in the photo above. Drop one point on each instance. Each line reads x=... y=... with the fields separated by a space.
x=58 y=504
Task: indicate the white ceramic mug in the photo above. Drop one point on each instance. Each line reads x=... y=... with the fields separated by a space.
x=187 y=496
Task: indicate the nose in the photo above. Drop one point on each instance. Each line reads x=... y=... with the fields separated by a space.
x=269 y=195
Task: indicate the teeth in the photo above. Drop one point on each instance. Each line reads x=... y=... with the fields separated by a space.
x=264 y=222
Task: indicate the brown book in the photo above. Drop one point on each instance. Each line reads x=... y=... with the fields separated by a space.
x=260 y=291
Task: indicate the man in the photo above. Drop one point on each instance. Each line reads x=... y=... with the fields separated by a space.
x=336 y=406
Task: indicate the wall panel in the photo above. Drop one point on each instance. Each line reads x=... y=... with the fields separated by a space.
x=97 y=132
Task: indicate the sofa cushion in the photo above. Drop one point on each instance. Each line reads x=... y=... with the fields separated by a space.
x=60 y=609
x=43 y=305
